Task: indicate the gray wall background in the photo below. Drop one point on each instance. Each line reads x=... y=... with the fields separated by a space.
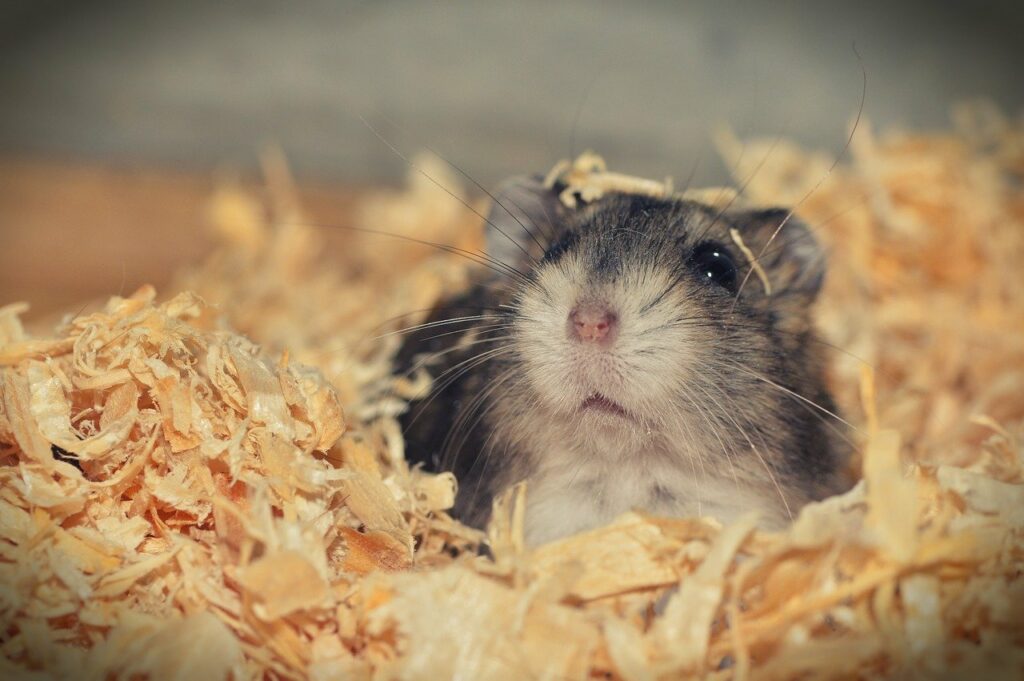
x=497 y=87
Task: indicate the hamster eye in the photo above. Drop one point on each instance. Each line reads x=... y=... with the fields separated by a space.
x=712 y=262
x=560 y=247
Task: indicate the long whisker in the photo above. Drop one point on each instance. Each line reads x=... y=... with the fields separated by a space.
x=355 y=345
x=472 y=411
x=811 y=232
x=771 y=475
x=699 y=458
x=477 y=184
x=737 y=323
x=714 y=431
x=428 y=358
x=485 y=456
x=478 y=257
x=454 y=373
x=743 y=187
x=448 y=191
x=478 y=327
x=501 y=205
x=825 y=419
x=440 y=322
x=821 y=181
x=795 y=395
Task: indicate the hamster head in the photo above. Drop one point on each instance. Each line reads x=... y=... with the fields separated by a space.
x=637 y=341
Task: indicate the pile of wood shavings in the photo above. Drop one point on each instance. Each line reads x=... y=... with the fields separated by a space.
x=178 y=503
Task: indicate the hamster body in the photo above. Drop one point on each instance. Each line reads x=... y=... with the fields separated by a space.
x=614 y=362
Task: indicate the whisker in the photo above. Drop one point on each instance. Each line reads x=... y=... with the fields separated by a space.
x=693 y=468
x=478 y=257
x=432 y=356
x=821 y=181
x=795 y=394
x=503 y=207
x=456 y=372
x=714 y=431
x=448 y=191
x=430 y=325
x=753 y=448
x=477 y=184
x=485 y=456
x=478 y=327
x=811 y=230
x=737 y=323
x=449 y=448
x=743 y=187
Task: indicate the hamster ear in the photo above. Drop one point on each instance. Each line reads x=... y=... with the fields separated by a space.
x=524 y=211
x=794 y=260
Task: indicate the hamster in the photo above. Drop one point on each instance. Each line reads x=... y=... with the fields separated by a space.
x=612 y=360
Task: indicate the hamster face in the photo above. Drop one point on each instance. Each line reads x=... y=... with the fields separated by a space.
x=626 y=323
x=630 y=366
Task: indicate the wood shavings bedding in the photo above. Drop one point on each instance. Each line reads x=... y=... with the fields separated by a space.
x=213 y=485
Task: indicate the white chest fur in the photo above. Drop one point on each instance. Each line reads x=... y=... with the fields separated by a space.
x=570 y=493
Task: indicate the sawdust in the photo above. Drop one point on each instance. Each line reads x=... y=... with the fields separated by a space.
x=214 y=483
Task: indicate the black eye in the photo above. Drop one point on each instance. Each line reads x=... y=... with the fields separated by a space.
x=713 y=263
x=561 y=246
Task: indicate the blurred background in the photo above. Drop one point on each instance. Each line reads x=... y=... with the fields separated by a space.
x=118 y=118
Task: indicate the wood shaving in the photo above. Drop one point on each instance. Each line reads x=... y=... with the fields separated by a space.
x=212 y=484
x=587 y=179
x=752 y=259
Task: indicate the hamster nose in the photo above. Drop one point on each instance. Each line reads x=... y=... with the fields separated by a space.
x=590 y=324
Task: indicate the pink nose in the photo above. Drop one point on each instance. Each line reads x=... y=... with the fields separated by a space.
x=592 y=324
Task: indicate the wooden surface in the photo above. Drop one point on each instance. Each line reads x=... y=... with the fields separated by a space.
x=72 y=233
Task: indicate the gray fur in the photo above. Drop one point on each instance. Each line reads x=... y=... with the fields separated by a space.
x=694 y=365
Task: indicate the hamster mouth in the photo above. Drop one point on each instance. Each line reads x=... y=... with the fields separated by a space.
x=600 y=403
